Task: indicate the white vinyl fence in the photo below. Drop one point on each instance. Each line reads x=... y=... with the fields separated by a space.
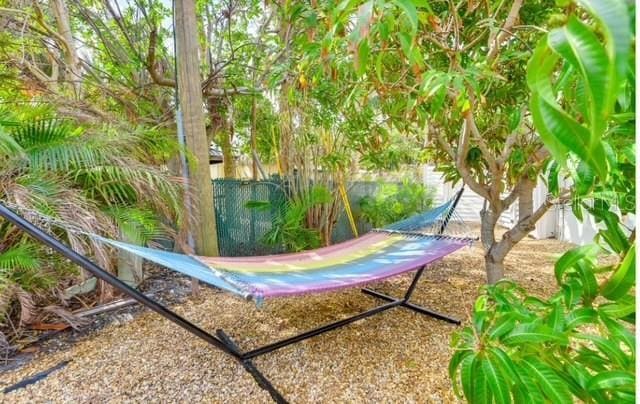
x=559 y=222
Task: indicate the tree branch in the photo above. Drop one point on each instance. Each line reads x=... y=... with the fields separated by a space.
x=526 y=224
x=157 y=78
x=496 y=41
x=461 y=159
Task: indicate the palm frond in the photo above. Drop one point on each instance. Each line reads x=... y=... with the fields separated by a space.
x=74 y=321
x=27 y=306
x=73 y=181
x=130 y=182
x=138 y=225
x=9 y=148
x=22 y=256
x=52 y=145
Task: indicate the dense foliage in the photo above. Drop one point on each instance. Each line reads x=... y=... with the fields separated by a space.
x=578 y=343
x=74 y=180
x=289 y=228
x=321 y=91
x=394 y=202
x=449 y=78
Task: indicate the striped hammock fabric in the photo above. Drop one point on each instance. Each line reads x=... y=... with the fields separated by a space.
x=377 y=255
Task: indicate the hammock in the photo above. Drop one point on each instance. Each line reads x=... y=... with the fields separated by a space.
x=382 y=253
x=407 y=245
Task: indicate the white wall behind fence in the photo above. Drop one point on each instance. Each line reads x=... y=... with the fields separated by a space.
x=558 y=222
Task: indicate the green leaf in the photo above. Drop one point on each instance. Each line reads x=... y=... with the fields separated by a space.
x=9 y=147
x=467 y=375
x=364 y=52
x=571 y=292
x=528 y=390
x=584 y=179
x=495 y=380
x=619 y=332
x=559 y=131
x=579 y=46
x=572 y=135
x=618 y=396
x=613 y=234
x=555 y=319
x=579 y=376
x=258 y=205
x=580 y=317
x=586 y=272
x=609 y=348
x=550 y=383
x=410 y=11
x=616 y=22
x=456 y=361
x=552 y=178
x=379 y=66
x=405 y=43
x=573 y=256
x=623 y=279
x=611 y=379
x=21 y=256
x=502 y=326
x=540 y=66
x=534 y=333
x=481 y=392
x=621 y=308
x=505 y=364
x=515 y=117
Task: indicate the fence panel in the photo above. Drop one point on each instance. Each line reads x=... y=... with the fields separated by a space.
x=241 y=230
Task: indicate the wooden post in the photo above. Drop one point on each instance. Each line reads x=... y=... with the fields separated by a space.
x=199 y=201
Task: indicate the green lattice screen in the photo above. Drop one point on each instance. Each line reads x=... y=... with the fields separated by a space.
x=240 y=229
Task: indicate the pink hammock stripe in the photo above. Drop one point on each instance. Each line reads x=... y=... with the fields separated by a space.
x=335 y=248
x=302 y=273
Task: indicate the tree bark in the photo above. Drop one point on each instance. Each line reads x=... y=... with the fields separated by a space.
x=254 y=139
x=72 y=62
x=496 y=251
x=228 y=162
x=221 y=132
x=495 y=270
x=488 y=220
x=201 y=219
x=286 y=135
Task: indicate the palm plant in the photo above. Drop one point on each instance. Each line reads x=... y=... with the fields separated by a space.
x=73 y=181
x=289 y=227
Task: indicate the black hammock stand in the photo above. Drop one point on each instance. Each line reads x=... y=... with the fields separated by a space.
x=221 y=340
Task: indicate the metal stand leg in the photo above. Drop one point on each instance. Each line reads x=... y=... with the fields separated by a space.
x=221 y=341
x=404 y=302
x=262 y=381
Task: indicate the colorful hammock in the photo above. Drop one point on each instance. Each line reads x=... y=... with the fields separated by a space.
x=380 y=254
x=404 y=246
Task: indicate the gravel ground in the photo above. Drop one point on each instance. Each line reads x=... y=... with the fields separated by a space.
x=397 y=356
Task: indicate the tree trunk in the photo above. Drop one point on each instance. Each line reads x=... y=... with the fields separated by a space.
x=72 y=62
x=495 y=269
x=254 y=141
x=488 y=220
x=286 y=135
x=202 y=223
x=496 y=251
x=494 y=265
x=220 y=131
x=228 y=162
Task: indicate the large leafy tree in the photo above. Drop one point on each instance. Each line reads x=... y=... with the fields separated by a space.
x=451 y=78
x=578 y=343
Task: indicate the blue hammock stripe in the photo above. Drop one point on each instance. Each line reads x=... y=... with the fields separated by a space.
x=396 y=249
